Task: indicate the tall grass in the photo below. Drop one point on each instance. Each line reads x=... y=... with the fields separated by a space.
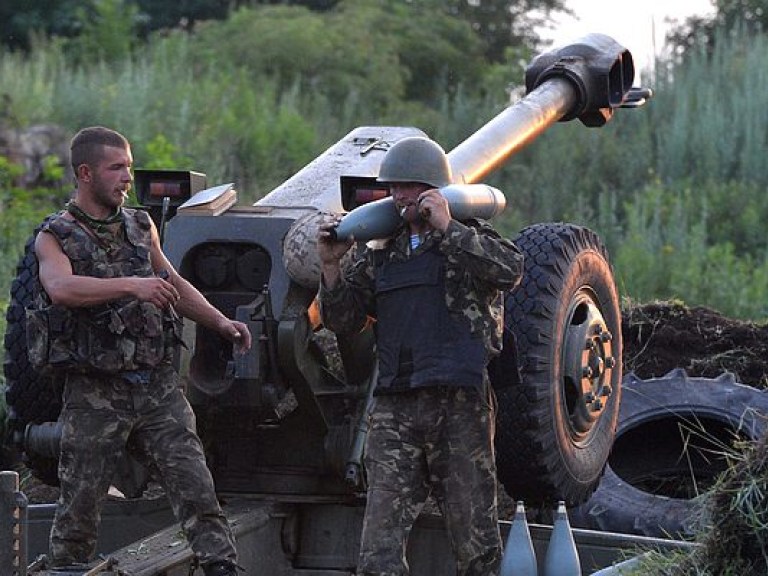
x=671 y=248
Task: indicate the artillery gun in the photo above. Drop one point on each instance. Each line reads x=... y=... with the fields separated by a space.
x=284 y=426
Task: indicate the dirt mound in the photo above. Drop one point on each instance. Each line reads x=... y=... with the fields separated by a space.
x=661 y=336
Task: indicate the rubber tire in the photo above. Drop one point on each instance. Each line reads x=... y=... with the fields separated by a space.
x=619 y=506
x=30 y=396
x=541 y=457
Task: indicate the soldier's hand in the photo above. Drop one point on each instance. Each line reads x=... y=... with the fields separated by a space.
x=433 y=207
x=237 y=333
x=159 y=292
x=329 y=248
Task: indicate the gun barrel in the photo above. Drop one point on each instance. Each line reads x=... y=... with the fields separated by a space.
x=511 y=130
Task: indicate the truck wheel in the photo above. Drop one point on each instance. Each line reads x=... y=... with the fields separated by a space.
x=672 y=442
x=556 y=423
x=30 y=396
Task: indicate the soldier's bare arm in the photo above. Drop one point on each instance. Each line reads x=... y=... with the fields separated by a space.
x=68 y=289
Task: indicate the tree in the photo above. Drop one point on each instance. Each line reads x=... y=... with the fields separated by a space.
x=504 y=24
x=378 y=54
x=181 y=14
x=500 y=24
x=20 y=20
x=750 y=15
x=316 y=5
x=438 y=50
x=107 y=31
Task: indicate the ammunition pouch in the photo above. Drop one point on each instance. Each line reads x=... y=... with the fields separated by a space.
x=110 y=339
x=50 y=331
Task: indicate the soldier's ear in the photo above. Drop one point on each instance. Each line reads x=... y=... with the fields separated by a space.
x=83 y=173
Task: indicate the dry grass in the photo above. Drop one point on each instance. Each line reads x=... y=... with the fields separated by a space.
x=734 y=537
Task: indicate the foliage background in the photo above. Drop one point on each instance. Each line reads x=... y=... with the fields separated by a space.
x=253 y=92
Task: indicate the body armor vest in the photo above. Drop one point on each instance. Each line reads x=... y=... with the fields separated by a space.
x=420 y=342
x=119 y=336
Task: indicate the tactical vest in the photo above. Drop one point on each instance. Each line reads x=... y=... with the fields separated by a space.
x=122 y=335
x=420 y=342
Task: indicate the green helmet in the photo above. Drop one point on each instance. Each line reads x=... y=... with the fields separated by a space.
x=416 y=159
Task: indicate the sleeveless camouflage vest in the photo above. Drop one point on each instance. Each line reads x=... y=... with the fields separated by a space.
x=123 y=335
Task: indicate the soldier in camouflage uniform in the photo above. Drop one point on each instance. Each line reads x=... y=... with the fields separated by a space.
x=435 y=291
x=109 y=316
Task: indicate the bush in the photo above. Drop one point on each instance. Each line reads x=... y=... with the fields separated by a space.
x=671 y=248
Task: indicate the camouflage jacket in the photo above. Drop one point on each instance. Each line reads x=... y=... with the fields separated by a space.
x=119 y=336
x=479 y=266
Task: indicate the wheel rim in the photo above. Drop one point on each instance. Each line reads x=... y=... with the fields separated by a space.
x=588 y=364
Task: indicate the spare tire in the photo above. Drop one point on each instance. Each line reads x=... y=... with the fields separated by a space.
x=673 y=436
x=556 y=422
x=31 y=397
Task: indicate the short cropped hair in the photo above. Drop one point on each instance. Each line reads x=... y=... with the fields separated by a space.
x=87 y=145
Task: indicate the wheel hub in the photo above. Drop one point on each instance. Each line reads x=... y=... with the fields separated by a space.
x=588 y=365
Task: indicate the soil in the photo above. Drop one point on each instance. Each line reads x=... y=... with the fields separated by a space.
x=658 y=337
x=661 y=336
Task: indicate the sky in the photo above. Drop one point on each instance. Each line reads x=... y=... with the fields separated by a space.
x=638 y=25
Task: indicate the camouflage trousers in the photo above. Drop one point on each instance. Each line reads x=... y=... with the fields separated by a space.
x=100 y=415
x=436 y=441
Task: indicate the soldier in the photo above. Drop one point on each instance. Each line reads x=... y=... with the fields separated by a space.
x=435 y=290
x=109 y=315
